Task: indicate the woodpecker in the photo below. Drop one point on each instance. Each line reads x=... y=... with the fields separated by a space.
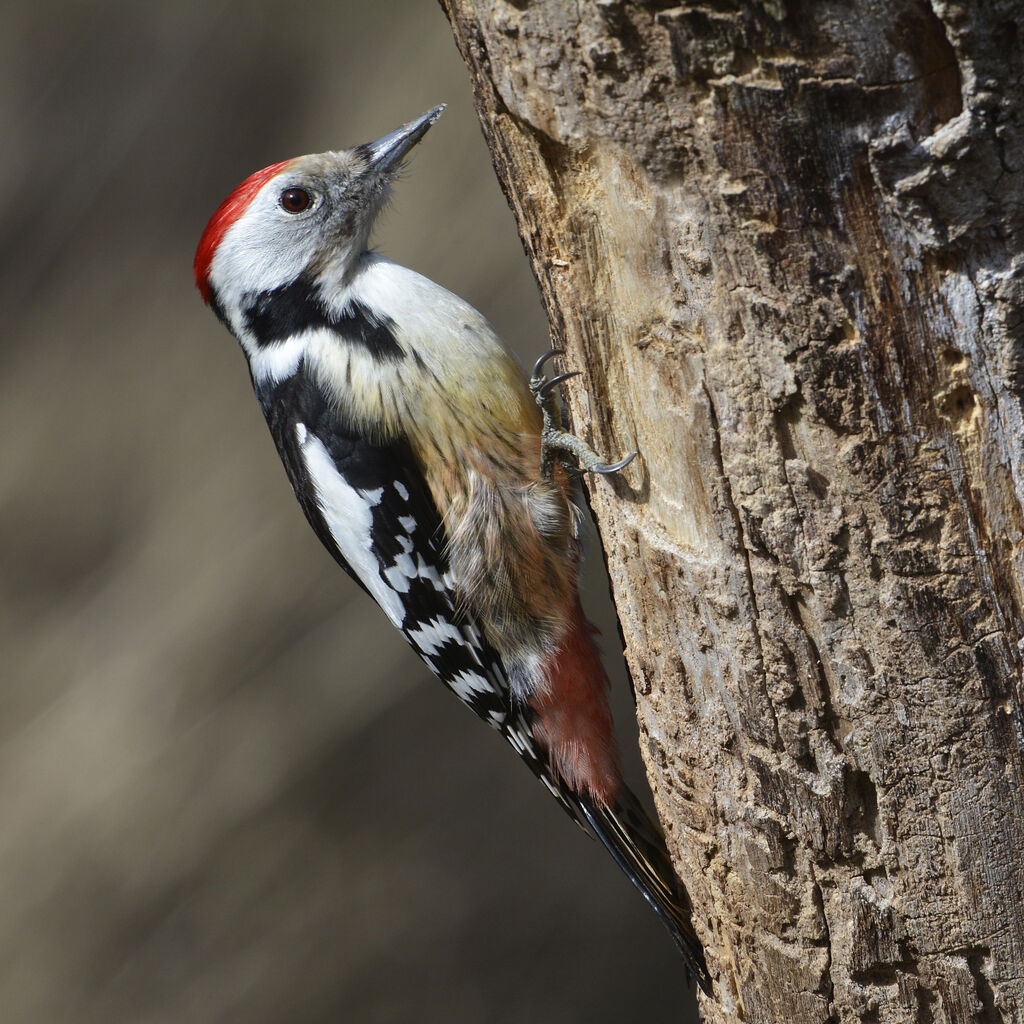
x=434 y=472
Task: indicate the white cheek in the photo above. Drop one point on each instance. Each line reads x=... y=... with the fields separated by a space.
x=261 y=251
x=244 y=264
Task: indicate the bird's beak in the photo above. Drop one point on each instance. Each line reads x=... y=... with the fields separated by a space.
x=387 y=152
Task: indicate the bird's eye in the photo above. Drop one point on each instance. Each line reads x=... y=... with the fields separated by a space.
x=295 y=200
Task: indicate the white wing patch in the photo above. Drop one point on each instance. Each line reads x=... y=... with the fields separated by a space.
x=428 y=572
x=403 y=571
x=433 y=635
x=347 y=512
x=465 y=684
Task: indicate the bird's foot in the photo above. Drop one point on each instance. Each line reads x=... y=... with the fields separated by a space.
x=558 y=444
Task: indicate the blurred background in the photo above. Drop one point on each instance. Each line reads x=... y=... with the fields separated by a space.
x=227 y=790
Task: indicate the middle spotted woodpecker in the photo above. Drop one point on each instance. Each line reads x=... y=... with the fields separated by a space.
x=434 y=472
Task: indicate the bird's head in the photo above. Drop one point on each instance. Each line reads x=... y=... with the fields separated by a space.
x=306 y=217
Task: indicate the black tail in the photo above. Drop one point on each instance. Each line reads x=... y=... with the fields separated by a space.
x=638 y=847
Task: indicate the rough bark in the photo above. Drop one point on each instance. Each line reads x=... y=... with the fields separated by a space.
x=780 y=240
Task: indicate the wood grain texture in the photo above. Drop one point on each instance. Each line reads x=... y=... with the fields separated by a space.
x=780 y=240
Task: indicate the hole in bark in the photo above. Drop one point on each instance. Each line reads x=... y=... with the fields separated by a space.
x=957 y=405
x=948 y=261
x=977 y=962
x=796 y=700
x=743 y=62
x=924 y=1006
x=954 y=358
x=861 y=810
x=922 y=36
x=785 y=419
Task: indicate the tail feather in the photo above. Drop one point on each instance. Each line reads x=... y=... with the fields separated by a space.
x=571 y=721
x=636 y=843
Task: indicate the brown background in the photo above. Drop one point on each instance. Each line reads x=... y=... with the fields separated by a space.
x=227 y=791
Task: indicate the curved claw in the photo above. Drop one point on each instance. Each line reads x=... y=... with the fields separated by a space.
x=538 y=367
x=614 y=467
x=547 y=386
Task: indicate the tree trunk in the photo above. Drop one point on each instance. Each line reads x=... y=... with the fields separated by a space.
x=780 y=241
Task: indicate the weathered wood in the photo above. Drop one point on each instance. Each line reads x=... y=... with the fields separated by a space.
x=781 y=241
